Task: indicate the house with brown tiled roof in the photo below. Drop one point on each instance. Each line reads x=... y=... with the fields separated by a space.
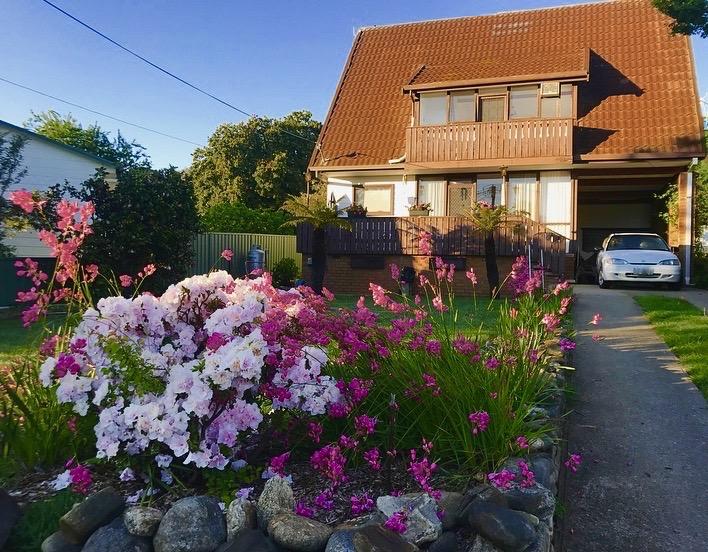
x=575 y=116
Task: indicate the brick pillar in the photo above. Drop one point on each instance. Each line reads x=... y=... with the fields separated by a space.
x=685 y=222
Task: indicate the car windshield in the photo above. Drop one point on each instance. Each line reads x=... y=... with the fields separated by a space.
x=654 y=243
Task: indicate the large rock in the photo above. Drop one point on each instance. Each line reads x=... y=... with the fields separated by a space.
x=84 y=518
x=277 y=496
x=481 y=544
x=544 y=469
x=536 y=500
x=250 y=540
x=446 y=543
x=142 y=521
x=116 y=538
x=240 y=515
x=298 y=533
x=56 y=542
x=9 y=514
x=368 y=538
x=451 y=503
x=193 y=524
x=509 y=530
x=423 y=522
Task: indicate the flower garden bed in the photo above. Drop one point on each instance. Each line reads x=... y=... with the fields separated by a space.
x=228 y=414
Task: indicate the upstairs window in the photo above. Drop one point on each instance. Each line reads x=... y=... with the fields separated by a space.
x=523 y=102
x=491 y=108
x=462 y=106
x=558 y=106
x=433 y=108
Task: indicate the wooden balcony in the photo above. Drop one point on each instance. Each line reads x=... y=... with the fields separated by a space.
x=451 y=236
x=459 y=145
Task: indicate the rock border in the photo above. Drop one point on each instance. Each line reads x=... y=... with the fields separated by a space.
x=514 y=519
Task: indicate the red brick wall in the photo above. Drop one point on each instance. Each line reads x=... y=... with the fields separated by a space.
x=343 y=279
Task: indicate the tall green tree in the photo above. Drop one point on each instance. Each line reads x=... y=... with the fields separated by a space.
x=93 y=139
x=690 y=16
x=258 y=162
x=11 y=173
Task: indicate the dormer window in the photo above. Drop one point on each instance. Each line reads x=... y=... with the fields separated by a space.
x=490 y=104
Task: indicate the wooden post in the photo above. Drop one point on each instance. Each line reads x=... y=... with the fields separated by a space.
x=685 y=222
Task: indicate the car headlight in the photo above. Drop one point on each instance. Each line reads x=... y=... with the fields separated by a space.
x=615 y=261
x=671 y=262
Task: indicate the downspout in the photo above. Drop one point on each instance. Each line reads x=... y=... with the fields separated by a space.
x=689 y=221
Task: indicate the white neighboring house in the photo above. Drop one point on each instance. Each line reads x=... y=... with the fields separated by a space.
x=48 y=162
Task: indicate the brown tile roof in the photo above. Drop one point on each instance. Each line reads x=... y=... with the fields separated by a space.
x=641 y=97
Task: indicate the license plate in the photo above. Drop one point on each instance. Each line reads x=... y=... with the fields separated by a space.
x=643 y=271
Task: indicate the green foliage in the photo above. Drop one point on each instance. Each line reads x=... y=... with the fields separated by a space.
x=33 y=424
x=223 y=484
x=148 y=217
x=488 y=218
x=237 y=217
x=285 y=271
x=93 y=139
x=313 y=211
x=39 y=520
x=466 y=386
x=137 y=375
x=257 y=162
x=690 y=16
x=685 y=330
x=11 y=173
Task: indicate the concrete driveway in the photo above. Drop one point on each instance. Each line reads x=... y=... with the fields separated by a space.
x=642 y=428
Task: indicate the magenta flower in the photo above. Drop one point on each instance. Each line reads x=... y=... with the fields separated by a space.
x=566 y=344
x=314 y=431
x=492 y=363
x=361 y=504
x=365 y=425
x=573 y=462
x=373 y=458
x=438 y=304
x=528 y=477
x=433 y=347
x=533 y=356
x=227 y=254
x=348 y=442
x=277 y=464
x=551 y=322
x=425 y=243
x=330 y=462
x=502 y=479
x=395 y=272
x=480 y=421
x=80 y=477
x=125 y=280
x=596 y=318
x=397 y=522
x=23 y=199
x=49 y=346
x=522 y=442
x=471 y=276
x=324 y=500
x=302 y=509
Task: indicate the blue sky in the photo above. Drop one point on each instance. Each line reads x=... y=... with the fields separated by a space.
x=269 y=57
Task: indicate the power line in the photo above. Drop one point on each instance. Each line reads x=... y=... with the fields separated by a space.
x=99 y=113
x=163 y=70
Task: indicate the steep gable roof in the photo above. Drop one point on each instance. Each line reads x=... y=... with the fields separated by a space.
x=641 y=96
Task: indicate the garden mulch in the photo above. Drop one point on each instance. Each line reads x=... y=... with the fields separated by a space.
x=642 y=428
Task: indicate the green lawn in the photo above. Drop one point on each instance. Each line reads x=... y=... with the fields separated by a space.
x=685 y=330
x=15 y=340
x=481 y=315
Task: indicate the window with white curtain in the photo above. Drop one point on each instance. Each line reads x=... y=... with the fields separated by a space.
x=378 y=199
x=432 y=190
x=556 y=201
x=521 y=193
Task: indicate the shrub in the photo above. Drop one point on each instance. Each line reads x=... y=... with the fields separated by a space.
x=237 y=217
x=285 y=271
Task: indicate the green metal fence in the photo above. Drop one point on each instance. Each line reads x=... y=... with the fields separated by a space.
x=208 y=248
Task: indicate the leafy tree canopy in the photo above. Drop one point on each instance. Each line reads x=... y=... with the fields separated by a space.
x=236 y=217
x=690 y=16
x=93 y=139
x=257 y=163
x=148 y=217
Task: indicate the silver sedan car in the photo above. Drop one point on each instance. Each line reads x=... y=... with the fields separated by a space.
x=639 y=257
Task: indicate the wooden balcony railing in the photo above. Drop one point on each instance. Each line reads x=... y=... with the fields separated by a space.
x=452 y=236
x=512 y=141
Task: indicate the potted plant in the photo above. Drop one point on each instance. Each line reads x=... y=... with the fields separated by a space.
x=419 y=210
x=356 y=211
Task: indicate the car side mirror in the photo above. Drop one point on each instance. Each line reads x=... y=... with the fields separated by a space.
x=597 y=249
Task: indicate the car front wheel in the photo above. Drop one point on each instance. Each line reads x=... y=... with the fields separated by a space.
x=604 y=284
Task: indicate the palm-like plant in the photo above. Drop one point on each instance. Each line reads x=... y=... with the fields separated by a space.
x=488 y=218
x=315 y=212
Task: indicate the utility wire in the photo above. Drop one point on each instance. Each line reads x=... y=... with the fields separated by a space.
x=99 y=113
x=163 y=70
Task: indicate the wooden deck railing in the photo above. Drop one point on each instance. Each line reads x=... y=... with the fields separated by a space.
x=511 y=140
x=451 y=236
